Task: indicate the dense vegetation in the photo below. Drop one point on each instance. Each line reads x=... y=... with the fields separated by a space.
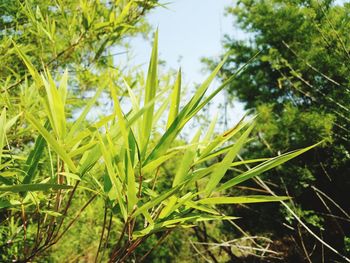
x=93 y=167
x=299 y=87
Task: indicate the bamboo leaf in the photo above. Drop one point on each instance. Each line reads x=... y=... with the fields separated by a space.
x=51 y=213
x=34 y=157
x=221 y=169
x=88 y=131
x=156 y=163
x=179 y=222
x=56 y=146
x=249 y=161
x=148 y=217
x=131 y=185
x=94 y=154
x=222 y=138
x=2 y=131
x=112 y=176
x=11 y=122
x=222 y=86
x=63 y=87
x=241 y=199
x=187 y=160
x=175 y=100
x=211 y=128
x=180 y=202
x=78 y=122
x=168 y=207
x=29 y=65
x=161 y=110
x=153 y=202
x=151 y=88
x=33 y=187
x=183 y=117
x=70 y=175
x=263 y=167
x=197 y=206
x=55 y=106
x=82 y=149
x=197 y=97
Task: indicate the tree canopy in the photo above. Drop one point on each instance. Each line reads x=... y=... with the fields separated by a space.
x=299 y=86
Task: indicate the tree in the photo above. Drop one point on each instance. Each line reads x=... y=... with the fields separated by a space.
x=60 y=34
x=77 y=36
x=299 y=86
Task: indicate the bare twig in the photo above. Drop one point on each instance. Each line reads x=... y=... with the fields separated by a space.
x=102 y=232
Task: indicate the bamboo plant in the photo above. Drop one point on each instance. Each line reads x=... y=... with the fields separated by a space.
x=117 y=159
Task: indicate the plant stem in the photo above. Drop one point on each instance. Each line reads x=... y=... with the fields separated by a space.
x=102 y=233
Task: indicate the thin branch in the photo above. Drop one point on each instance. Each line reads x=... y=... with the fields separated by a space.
x=102 y=232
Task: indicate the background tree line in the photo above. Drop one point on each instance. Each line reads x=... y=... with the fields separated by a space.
x=298 y=84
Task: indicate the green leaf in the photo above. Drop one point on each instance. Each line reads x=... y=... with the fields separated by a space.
x=223 y=85
x=82 y=149
x=33 y=187
x=241 y=199
x=214 y=154
x=151 y=88
x=263 y=167
x=11 y=122
x=187 y=160
x=34 y=157
x=175 y=100
x=159 y=113
x=153 y=202
x=112 y=175
x=56 y=146
x=148 y=217
x=95 y=153
x=249 y=161
x=5 y=204
x=168 y=207
x=211 y=128
x=197 y=97
x=180 y=202
x=70 y=175
x=63 y=87
x=190 y=109
x=222 y=138
x=55 y=106
x=197 y=206
x=29 y=65
x=156 y=163
x=129 y=169
x=2 y=130
x=179 y=222
x=78 y=122
x=225 y=164
x=88 y=131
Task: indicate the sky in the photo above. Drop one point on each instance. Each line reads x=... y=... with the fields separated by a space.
x=188 y=31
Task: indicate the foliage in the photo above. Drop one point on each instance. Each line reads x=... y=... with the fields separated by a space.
x=82 y=37
x=61 y=34
x=299 y=87
x=116 y=159
x=347 y=245
x=97 y=190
